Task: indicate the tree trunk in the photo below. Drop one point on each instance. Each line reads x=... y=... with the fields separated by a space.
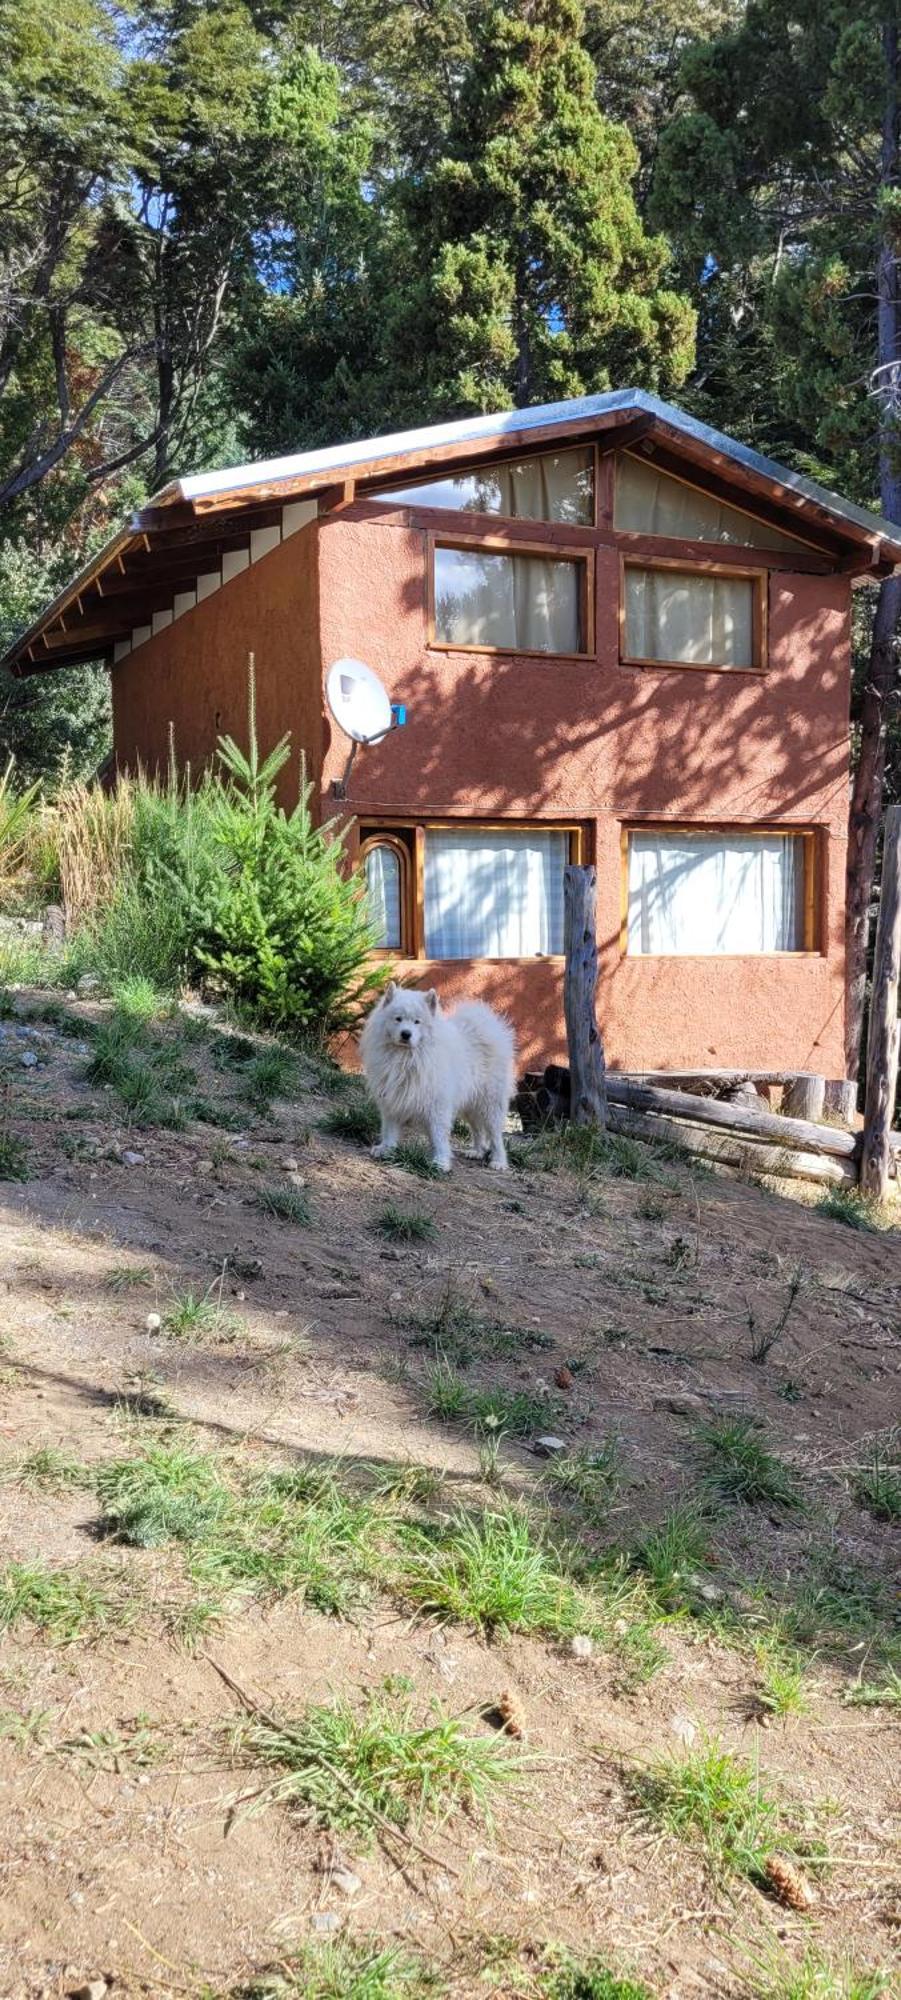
x=880 y=691
x=587 y=1095
x=882 y=1044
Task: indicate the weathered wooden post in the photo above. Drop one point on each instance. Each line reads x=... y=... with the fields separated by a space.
x=883 y=1034
x=588 y=1094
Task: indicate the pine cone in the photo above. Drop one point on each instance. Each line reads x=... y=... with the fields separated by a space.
x=787 y=1882
x=512 y=1714
x=562 y=1377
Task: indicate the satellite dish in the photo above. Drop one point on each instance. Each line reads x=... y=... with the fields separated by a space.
x=358 y=701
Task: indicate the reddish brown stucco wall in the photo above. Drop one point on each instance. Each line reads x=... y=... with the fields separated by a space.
x=193 y=675
x=605 y=744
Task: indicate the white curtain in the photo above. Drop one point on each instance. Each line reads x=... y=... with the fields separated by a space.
x=648 y=502
x=493 y=895
x=383 y=893
x=703 y=894
x=554 y=486
x=686 y=616
x=523 y=602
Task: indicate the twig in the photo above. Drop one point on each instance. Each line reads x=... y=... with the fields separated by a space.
x=380 y=1819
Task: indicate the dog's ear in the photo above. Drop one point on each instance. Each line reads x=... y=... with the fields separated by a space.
x=431 y=1000
x=389 y=992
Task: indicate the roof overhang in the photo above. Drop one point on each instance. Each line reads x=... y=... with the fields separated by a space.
x=192 y=524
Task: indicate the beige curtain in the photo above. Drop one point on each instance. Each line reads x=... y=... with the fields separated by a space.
x=678 y=615
x=648 y=502
x=524 y=603
x=553 y=486
x=701 y=895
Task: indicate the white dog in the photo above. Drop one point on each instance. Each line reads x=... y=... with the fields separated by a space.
x=426 y=1068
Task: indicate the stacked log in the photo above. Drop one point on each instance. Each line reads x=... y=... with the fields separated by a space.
x=738 y=1131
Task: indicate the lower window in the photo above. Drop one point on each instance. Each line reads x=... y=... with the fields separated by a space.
x=483 y=892
x=732 y=893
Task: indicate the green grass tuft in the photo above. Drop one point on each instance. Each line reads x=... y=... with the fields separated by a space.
x=355 y=1118
x=66 y=1604
x=416 y=1158
x=354 y=1768
x=200 y=1316
x=590 y=1477
x=876 y=1483
x=851 y=1206
x=817 y=1977
x=167 y=1495
x=515 y=1412
x=13 y=1157
x=287 y=1204
x=589 y=1979
x=346 y=1969
x=738 y=1465
x=717 y=1801
x=401 y=1225
x=671 y=1553
x=489 y=1570
x=51 y=1471
x=270 y=1074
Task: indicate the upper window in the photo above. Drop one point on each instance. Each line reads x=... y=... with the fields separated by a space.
x=650 y=502
x=706 y=894
x=554 y=486
x=488 y=599
x=692 y=618
x=494 y=894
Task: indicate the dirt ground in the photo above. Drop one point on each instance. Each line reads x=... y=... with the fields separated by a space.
x=124 y=1854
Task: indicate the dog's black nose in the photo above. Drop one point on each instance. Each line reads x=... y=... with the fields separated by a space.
x=405 y=1035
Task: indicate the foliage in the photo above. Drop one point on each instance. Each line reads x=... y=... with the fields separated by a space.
x=718 y=1800
x=346 y=1969
x=279 y=926
x=739 y=1466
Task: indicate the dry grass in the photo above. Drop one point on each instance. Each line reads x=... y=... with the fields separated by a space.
x=93 y=832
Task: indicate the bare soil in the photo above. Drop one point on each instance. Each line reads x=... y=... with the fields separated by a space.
x=121 y=1853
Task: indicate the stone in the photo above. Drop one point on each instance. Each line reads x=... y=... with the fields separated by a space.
x=345 y=1880
x=93 y=1989
x=87 y=984
x=290 y=1165
x=680 y=1406
x=548 y=1447
x=153 y=1322
x=133 y=1159
x=712 y=1593
x=29 y=1060
x=581 y=1646
x=325 y=1922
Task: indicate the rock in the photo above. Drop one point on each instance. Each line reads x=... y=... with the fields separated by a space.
x=712 y=1593
x=580 y=1646
x=29 y=1060
x=205 y=1167
x=153 y=1322
x=133 y=1159
x=93 y=1989
x=548 y=1447
x=325 y=1921
x=290 y=1165
x=680 y=1406
x=87 y=984
x=345 y=1880
x=53 y=924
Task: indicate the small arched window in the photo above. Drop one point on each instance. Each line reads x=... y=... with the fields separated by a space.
x=385 y=867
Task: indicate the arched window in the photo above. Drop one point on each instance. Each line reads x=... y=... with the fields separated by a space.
x=385 y=866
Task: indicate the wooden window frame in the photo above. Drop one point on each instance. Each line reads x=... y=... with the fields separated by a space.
x=679 y=479
x=409 y=836
x=385 y=494
x=812 y=917
x=503 y=545
x=759 y=613
x=405 y=860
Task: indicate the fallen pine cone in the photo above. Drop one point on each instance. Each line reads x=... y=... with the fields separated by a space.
x=562 y=1377
x=787 y=1882
x=512 y=1714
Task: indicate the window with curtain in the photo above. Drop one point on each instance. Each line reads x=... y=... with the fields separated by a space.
x=649 y=502
x=520 y=603
x=494 y=895
x=384 y=894
x=553 y=486
x=687 y=617
x=704 y=894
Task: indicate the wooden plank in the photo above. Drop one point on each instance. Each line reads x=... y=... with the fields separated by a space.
x=749 y=1155
x=884 y=1031
x=778 y=1131
x=587 y=1100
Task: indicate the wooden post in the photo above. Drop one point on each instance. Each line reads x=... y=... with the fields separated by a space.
x=805 y=1097
x=588 y=1096
x=883 y=1034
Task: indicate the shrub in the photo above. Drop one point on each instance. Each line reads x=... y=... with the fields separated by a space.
x=280 y=927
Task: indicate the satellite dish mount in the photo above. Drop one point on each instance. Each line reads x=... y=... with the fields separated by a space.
x=360 y=706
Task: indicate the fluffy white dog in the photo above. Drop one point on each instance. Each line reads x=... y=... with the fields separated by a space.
x=426 y=1068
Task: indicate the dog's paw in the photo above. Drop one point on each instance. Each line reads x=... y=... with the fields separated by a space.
x=443 y=1166
x=382 y=1152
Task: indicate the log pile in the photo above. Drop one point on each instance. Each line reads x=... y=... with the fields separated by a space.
x=719 y=1115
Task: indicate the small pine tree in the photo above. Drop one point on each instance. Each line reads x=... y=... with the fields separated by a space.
x=280 y=927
